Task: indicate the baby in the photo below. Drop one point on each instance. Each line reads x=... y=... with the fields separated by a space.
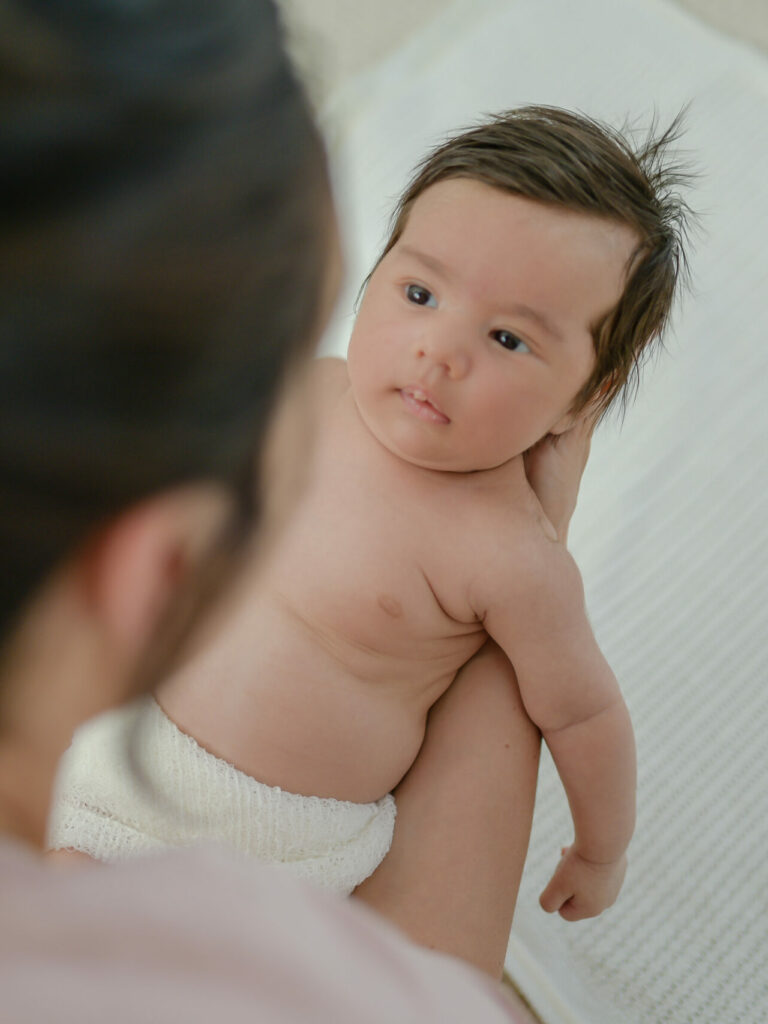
x=532 y=260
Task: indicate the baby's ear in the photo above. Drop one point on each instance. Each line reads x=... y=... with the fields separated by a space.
x=565 y=423
x=590 y=412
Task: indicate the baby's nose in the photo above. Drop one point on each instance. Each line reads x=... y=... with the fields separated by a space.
x=447 y=350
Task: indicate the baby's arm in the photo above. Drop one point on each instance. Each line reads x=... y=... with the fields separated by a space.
x=535 y=611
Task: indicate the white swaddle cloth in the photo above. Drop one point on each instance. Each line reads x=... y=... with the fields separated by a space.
x=133 y=782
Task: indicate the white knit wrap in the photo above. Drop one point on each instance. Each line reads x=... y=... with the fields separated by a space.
x=132 y=782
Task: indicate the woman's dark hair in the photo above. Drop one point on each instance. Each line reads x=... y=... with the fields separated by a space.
x=164 y=226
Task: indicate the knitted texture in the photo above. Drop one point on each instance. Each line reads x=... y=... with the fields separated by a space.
x=133 y=782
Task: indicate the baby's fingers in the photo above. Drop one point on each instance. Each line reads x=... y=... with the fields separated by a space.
x=557 y=893
x=578 y=909
x=559 y=897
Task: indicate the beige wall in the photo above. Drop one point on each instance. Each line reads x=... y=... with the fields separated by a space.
x=334 y=39
x=746 y=19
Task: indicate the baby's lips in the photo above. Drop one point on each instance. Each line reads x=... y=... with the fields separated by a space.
x=420 y=395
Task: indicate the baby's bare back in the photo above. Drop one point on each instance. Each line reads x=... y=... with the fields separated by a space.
x=358 y=624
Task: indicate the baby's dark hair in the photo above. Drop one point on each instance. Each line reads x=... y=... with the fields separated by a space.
x=566 y=159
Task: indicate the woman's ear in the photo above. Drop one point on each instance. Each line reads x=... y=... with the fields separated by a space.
x=134 y=566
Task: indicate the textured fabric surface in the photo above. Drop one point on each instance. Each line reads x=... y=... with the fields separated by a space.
x=671 y=531
x=133 y=782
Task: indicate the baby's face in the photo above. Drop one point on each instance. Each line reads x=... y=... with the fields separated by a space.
x=474 y=334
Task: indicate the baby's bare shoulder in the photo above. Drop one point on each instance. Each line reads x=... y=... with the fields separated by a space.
x=509 y=514
x=520 y=559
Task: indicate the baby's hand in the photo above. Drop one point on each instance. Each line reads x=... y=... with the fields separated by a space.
x=581 y=888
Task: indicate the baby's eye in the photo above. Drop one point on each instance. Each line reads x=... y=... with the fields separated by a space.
x=421 y=296
x=510 y=341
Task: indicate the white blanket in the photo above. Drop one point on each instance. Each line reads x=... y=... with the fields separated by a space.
x=672 y=528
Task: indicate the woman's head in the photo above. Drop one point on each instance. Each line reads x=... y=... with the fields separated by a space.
x=165 y=224
x=165 y=233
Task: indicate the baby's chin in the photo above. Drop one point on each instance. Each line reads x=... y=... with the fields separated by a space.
x=430 y=448
x=421 y=457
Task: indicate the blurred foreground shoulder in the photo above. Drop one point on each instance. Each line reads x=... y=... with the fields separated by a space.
x=174 y=936
x=328 y=380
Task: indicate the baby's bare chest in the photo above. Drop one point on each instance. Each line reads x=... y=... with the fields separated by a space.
x=376 y=568
x=378 y=561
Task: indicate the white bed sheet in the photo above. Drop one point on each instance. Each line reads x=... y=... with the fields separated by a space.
x=672 y=529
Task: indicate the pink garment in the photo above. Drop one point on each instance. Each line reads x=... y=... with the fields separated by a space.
x=200 y=936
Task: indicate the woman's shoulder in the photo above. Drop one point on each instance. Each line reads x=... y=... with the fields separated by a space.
x=203 y=934
x=328 y=379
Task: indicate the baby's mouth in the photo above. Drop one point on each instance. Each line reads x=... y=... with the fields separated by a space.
x=419 y=403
